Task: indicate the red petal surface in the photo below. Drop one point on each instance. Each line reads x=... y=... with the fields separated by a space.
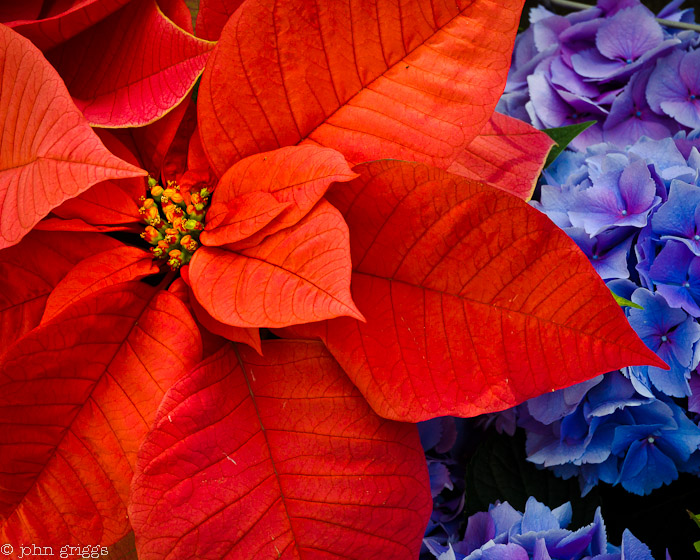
x=240 y=217
x=175 y=160
x=251 y=337
x=297 y=275
x=131 y=68
x=296 y=176
x=90 y=275
x=474 y=300
x=416 y=81
x=109 y=202
x=178 y=12
x=213 y=15
x=58 y=224
x=63 y=20
x=211 y=343
x=277 y=456
x=32 y=268
x=78 y=395
x=507 y=153
x=154 y=140
x=13 y=11
x=48 y=153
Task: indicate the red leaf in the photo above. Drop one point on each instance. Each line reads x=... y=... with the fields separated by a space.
x=14 y=11
x=507 y=153
x=251 y=337
x=109 y=202
x=90 y=275
x=58 y=224
x=48 y=153
x=79 y=394
x=213 y=15
x=296 y=176
x=32 y=268
x=415 y=81
x=474 y=300
x=178 y=12
x=154 y=140
x=277 y=457
x=175 y=160
x=239 y=218
x=131 y=68
x=196 y=158
x=211 y=343
x=297 y=275
x=64 y=20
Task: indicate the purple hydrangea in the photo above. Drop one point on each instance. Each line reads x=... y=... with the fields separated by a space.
x=540 y=533
x=614 y=64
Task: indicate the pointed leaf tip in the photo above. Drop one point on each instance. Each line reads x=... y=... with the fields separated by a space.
x=467 y=288
x=48 y=152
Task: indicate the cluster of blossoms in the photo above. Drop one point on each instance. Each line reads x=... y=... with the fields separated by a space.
x=630 y=199
x=613 y=64
x=632 y=211
x=175 y=219
x=503 y=533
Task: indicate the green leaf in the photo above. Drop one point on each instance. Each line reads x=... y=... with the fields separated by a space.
x=696 y=544
x=625 y=302
x=563 y=137
x=499 y=471
x=694 y=517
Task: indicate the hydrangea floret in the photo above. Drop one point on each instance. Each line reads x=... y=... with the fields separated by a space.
x=540 y=533
x=614 y=64
x=626 y=428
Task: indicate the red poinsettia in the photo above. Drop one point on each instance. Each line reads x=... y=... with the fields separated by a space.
x=343 y=182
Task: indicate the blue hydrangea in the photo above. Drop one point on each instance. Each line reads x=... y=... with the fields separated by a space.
x=540 y=533
x=625 y=428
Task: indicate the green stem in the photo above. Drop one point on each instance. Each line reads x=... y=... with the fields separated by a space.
x=666 y=22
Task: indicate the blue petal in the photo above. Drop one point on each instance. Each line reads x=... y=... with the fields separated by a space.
x=633 y=548
x=538 y=517
x=646 y=468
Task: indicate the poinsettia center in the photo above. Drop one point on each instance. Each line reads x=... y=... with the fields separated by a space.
x=175 y=218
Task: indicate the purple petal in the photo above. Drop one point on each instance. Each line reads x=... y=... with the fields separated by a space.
x=678 y=218
x=637 y=188
x=686 y=111
x=504 y=517
x=665 y=82
x=448 y=435
x=563 y=76
x=480 y=530
x=430 y=432
x=540 y=552
x=689 y=71
x=629 y=34
x=505 y=552
x=694 y=399
x=439 y=478
x=590 y=63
